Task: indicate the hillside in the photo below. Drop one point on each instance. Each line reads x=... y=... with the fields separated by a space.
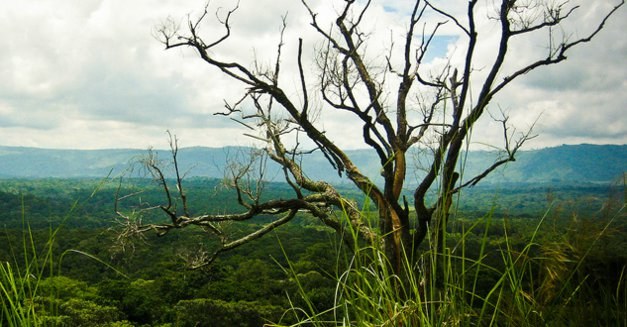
x=567 y=163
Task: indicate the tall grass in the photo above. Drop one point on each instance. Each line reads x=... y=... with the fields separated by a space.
x=19 y=281
x=538 y=281
x=20 y=277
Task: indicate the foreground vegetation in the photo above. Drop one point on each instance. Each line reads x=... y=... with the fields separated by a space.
x=519 y=256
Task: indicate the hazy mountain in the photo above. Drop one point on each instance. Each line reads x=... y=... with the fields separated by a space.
x=567 y=163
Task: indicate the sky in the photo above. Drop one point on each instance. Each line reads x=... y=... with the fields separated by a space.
x=91 y=74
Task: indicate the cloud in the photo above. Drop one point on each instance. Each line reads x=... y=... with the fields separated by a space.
x=579 y=100
x=91 y=74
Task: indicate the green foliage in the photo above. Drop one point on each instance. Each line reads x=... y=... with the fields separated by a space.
x=31 y=299
x=143 y=302
x=545 y=274
x=217 y=313
x=16 y=310
x=79 y=312
x=506 y=268
x=20 y=280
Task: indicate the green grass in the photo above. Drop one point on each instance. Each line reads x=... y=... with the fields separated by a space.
x=538 y=277
x=541 y=280
x=20 y=279
x=19 y=282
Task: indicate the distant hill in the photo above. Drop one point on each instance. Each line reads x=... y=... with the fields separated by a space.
x=564 y=164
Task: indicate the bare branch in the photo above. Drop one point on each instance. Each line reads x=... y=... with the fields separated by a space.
x=559 y=54
x=436 y=108
x=510 y=149
x=451 y=17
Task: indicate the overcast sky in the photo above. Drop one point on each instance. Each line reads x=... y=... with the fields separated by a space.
x=90 y=74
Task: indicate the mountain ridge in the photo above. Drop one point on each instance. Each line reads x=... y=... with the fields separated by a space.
x=565 y=163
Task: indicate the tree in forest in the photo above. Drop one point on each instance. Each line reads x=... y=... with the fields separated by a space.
x=400 y=102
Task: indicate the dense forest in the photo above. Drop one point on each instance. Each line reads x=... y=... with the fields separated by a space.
x=378 y=191
x=63 y=233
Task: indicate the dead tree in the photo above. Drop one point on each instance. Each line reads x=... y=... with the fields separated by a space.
x=398 y=104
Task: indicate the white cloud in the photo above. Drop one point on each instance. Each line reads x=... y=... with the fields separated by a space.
x=90 y=74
